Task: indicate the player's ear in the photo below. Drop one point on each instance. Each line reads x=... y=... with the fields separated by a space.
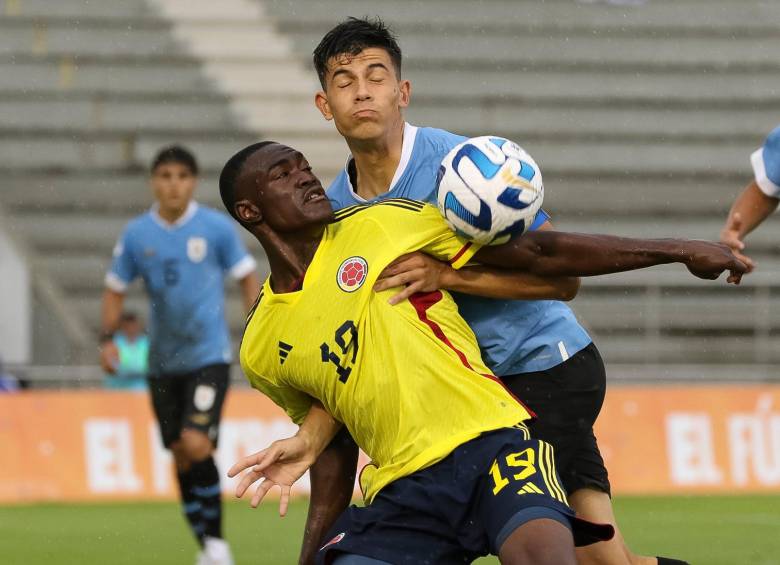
x=405 y=92
x=321 y=101
x=248 y=212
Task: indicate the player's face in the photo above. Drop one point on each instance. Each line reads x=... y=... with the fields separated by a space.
x=173 y=185
x=280 y=182
x=363 y=95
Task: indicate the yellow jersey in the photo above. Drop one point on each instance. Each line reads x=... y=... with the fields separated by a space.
x=407 y=380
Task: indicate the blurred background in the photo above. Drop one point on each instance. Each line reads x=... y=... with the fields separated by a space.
x=641 y=115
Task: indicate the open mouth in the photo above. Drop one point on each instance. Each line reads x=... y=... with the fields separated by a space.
x=314 y=195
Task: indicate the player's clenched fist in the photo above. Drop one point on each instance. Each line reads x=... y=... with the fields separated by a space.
x=707 y=260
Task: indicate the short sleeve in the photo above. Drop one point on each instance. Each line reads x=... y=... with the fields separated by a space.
x=766 y=165
x=123 y=268
x=294 y=402
x=539 y=220
x=441 y=242
x=233 y=256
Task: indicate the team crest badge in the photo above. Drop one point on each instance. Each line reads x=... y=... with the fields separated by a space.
x=196 y=249
x=352 y=274
x=204 y=397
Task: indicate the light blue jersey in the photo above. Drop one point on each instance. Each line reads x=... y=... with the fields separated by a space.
x=766 y=164
x=183 y=267
x=516 y=336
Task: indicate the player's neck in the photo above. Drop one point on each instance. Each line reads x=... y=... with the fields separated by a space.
x=376 y=161
x=171 y=215
x=289 y=257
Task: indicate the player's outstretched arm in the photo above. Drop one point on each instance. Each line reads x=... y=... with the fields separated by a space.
x=285 y=461
x=553 y=253
x=332 y=482
x=418 y=272
x=750 y=208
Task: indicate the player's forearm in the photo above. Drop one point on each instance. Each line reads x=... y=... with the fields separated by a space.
x=332 y=480
x=551 y=253
x=111 y=311
x=511 y=285
x=753 y=207
x=250 y=288
x=318 y=429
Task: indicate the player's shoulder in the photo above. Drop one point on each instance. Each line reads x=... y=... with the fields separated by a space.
x=772 y=142
x=383 y=210
x=213 y=218
x=438 y=140
x=139 y=225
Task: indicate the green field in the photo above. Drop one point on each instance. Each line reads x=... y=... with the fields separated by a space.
x=704 y=530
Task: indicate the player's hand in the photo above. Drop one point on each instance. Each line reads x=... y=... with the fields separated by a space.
x=731 y=235
x=417 y=271
x=109 y=357
x=280 y=464
x=707 y=260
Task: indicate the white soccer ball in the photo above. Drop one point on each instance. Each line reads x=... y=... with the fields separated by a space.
x=489 y=189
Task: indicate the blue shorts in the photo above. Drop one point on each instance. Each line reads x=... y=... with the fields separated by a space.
x=462 y=507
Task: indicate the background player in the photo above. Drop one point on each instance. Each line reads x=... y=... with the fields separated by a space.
x=537 y=347
x=421 y=408
x=759 y=199
x=182 y=251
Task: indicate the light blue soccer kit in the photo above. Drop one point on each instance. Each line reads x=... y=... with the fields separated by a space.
x=766 y=164
x=515 y=336
x=183 y=266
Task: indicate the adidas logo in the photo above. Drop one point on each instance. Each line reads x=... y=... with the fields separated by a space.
x=530 y=488
x=284 y=351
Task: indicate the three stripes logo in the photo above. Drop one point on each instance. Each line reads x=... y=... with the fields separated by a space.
x=284 y=351
x=530 y=488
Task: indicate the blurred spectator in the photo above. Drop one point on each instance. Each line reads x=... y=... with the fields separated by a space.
x=8 y=382
x=133 y=347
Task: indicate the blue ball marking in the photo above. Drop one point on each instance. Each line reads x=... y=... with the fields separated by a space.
x=487 y=168
x=511 y=197
x=482 y=221
x=526 y=171
x=517 y=228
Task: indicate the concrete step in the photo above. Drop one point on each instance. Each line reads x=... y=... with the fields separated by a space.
x=525 y=16
x=638 y=122
x=98 y=113
x=686 y=350
x=700 y=87
x=62 y=150
x=494 y=49
x=76 y=9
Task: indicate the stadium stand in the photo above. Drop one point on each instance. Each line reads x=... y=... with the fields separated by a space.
x=92 y=92
x=642 y=119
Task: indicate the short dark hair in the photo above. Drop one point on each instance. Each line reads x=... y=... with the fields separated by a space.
x=352 y=36
x=129 y=316
x=230 y=173
x=175 y=154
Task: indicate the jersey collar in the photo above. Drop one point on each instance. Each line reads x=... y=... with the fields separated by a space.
x=410 y=134
x=192 y=208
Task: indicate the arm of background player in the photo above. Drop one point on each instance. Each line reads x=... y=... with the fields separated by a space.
x=419 y=272
x=553 y=253
x=750 y=208
x=250 y=288
x=111 y=311
x=332 y=482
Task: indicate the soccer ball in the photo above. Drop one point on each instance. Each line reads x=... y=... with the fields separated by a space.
x=489 y=189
